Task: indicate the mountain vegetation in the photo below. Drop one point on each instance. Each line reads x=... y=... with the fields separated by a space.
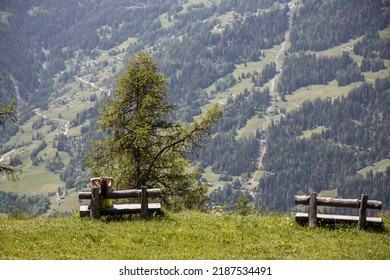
x=34 y=205
x=7 y=111
x=319 y=25
x=142 y=146
x=354 y=132
x=303 y=86
x=300 y=70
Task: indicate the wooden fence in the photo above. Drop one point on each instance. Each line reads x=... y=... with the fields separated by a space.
x=362 y=204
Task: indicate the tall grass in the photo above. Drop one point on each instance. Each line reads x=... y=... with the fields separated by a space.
x=187 y=236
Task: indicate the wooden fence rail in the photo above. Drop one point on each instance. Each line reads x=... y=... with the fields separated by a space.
x=362 y=204
x=152 y=193
x=338 y=202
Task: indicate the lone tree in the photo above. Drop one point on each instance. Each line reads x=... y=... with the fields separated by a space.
x=143 y=146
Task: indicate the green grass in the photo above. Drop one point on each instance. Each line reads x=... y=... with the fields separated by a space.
x=165 y=23
x=308 y=133
x=210 y=176
x=187 y=236
x=379 y=166
x=33 y=180
x=226 y=19
x=190 y=3
x=328 y=193
x=335 y=51
x=251 y=126
x=71 y=204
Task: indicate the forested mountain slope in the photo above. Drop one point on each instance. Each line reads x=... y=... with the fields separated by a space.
x=353 y=134
x=260 y=59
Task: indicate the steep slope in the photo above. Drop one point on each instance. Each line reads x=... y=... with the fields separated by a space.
x=65 y=58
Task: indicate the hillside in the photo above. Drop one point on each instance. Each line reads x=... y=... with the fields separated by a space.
x=261 y=60
x=187 y=236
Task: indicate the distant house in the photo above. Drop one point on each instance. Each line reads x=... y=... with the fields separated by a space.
x=60 y=197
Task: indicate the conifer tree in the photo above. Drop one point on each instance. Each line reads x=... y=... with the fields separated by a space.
x=7 y=111
x=143 y=146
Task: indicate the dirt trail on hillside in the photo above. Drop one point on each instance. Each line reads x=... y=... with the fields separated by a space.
x=283 y=47
x=263 y=143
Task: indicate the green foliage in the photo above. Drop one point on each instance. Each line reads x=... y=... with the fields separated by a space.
x=319 y=25
x=356 y=136
x=374 y=50
x=244 y=106
x=245 y=6
x=301 y=69
x=17 y=214
x=23 y=205
x=229 y=156
x=242 y=206
x=42 y=145
x=143 y=146
x=194 y=198
x=217 y=52
x=187 y=236
x=199 y=47
x=266 y=74
x=350 y=74
x=7 y=111
x=60 y=32
x=54 y=164
x=372 y=46
x=228 y=196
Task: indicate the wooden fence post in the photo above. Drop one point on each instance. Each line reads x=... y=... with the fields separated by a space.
x=313 y=210
x=144 y=203
x=363 y=212
x=95 y=204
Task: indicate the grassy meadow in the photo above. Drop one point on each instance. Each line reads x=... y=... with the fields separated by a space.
x=187 y=236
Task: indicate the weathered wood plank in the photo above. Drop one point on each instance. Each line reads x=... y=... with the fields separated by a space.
x=152 y=193
x=338 y=202
x=120 y=209
x=304 y=217
x=84 y=195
